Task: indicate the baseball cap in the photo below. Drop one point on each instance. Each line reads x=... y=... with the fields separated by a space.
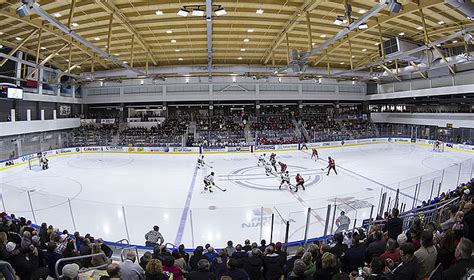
x=10 y=247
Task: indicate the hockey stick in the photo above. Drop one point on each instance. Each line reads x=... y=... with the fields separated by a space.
x=220 y=188
x=208 y=165
x=324 y=168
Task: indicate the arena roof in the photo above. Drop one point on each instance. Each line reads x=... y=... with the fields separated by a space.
x=252 y=32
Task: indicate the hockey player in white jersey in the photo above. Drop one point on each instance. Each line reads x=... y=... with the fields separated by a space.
x=261 y=160
x=201 y=162
x=268 y=168
x=285 y=178
x=209 y=182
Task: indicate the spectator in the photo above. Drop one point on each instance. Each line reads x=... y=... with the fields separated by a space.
x=169 y=266
x=394 y=224
x=448 y=224
x=70 y=272
x=447 y=247
x=342 y=222
x=329 y=267
x=407 y=270
x=354 y=256
x=100 y=260
x=52 y=257
x=263 y=245
x=180 y=262
x=298 y=272
x=25 y=240
x=220 y=264
x=230 y=248
x=26 y=265
x=154 y=270
x=307 y=258
x=391 y=252
x=289 y=263
x=468 y=210
x=211 y=254
x=272 y=265
x=4 y=255
x=376 y=269
x=247 y=247
x=234 y=272
x=84 y=250
x=145 y=259
x=130 y=270
x=323 y=248
x=253 y=265
x=278 y=249
x=43 y=234
x=464 y=260
x=106 y=249
x=202 y=272
x=113 y=272
x=61 y=242
x=375 y=248
x=339 y=249
x=183 y=253
x=239 y=255
x=198 y=255
x=154 y=237
x=426 y=256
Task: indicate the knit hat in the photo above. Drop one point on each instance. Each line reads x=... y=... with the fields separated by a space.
x=278 y=246
x=10 y=247
x=71 y=270
x=401 y=238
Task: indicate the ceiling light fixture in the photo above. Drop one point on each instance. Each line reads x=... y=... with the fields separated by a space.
x=1 y=33
x=259 y=11
x=341 y=63
x=180 y=59
x=169 y=31
x=18 y=38
x=440 y=22
x=198 y=13
x=177 y=50
x=173 y=41
x=220 y=12
x=43 y=48
x=338 y=20
x=159 y=12
x=377 y=44
x=246 y=40
x=75 y=24
x=364 y=50
x=242 y=50
x=250 y=30
x=239 y=58
x=454 y=41
x=362 y=11
x=125 y=62
x=97 y=38
x=401 y=33
x=419 y=27
x=183 y=12
x=322 y=35
x=56 y=15
x=1 y=46
x=363 y=26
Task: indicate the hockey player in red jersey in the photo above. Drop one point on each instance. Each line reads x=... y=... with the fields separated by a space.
x=299 y=182
x=272 y=156
x=315 y=154
x=331 y=165
x=282 y=167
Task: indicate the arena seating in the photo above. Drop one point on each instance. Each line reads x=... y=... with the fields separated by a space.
x=390 y=249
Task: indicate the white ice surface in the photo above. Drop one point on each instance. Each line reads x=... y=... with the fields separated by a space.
x=93 y=192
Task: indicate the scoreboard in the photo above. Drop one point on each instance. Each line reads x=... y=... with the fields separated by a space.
x=10 y=91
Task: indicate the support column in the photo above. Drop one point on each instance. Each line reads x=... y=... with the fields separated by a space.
x=19 y=55
x=42 y=115
x=12 y=115
x=28 y=115
x=54 y=114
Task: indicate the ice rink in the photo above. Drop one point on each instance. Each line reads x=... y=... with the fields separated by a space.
x=117 y=196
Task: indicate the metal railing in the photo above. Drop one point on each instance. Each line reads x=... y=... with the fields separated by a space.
x=126 y=249
x=7 y=270
x=56 y=267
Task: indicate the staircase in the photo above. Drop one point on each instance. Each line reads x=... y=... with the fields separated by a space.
x=249 y=135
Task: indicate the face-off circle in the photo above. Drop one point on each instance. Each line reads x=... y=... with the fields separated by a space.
x=254 y=177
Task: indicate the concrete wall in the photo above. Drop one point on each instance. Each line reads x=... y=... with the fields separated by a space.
x=435 y=119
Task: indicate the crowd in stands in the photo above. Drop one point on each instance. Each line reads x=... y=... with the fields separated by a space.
x=220 y=130
x=94 y=135
x=275 y=126
x=168 y=133
x=386 y=251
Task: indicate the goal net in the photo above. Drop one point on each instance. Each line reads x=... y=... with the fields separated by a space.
x=438 y=148
x=34 y=163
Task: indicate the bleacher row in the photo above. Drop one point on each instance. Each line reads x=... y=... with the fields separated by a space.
x=405 y=247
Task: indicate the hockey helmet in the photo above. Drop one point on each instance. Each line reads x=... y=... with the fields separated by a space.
x=212 y=173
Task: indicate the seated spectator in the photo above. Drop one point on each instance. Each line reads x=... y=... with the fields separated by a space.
x=25 y=241
x=52 y=257
x=272 y=264
x=113 y=272
x=376 y=269
x=230 y=248
x=180 y=262
x=247 y=247
x=298 y=272
x=376 y=247
x=145 y=259
x=154 y=270
x=446 y=249
x=130 y=270
x=289 y=263
x=84 y=250
x=70 y=272
x=449 y=223
x=329 y=267
x=219 y=265
x=391 y=252
x=106 y=249
x=307 y=258
x=464 y=260
x=198 y=255
x=240 y=255
x=468 y=220
x=323 y=248
x=98 y=260
x=407 y=269
x=253 y=265
x=26 y=264
x=203 y=272
x=211 y=254
x=4 y=255
x=354 y=256
x=234 y=272
x=183 y=253
x=169 y=266
x=426 y=256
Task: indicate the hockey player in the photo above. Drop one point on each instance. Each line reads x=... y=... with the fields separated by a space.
x=268 y=168
x=303 y=145
x=299 y=182
x=273 y=163
x=261 y=160
x=285 y=178
x=272 y=156
x=44 y=163
x=209 y=182
x=437 y=145
x=201 y=162
x=315 y=154
x=282 y=167
x=331 y=165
